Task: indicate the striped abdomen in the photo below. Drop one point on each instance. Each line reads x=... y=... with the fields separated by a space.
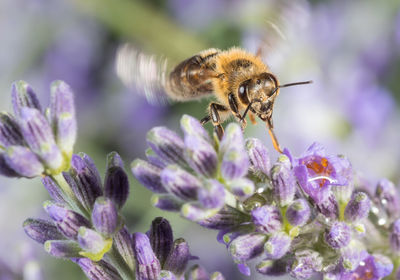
x=192 y=78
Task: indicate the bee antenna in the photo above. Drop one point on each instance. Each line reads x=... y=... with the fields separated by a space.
x=295 y=84
x=292 y=84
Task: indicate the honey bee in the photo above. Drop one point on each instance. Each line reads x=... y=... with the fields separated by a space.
x=240 y=81
x=242 y=84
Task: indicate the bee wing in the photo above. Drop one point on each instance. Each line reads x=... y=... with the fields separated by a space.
x=280 y=28
x=143 y=73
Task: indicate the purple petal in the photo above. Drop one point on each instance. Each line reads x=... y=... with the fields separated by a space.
x=23 y=96
x=23 y=161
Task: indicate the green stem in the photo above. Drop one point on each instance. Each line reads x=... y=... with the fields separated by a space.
x=123 y=269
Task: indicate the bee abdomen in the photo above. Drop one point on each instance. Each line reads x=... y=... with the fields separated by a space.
x=192 y=78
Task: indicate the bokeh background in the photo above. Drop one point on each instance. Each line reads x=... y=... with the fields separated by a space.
x=350 y=49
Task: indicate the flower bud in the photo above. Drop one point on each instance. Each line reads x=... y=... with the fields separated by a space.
x=197 y=272
x=306 y=263
x=39 y=136
x=154 y=159
x=247 y=246
x=191 y=126
x=338 y=236
x=68 y=222
x=166 y=144
x=93 y=244
x=283 y=181
x=267 y=218
x=352 y=255
x=217 y=276
x=178 y=258
x=105 y=216
x=147 y=264
x=358 y=207
x=41 y=230
x=235 y=161
x=194 y=211
x=298 y=213
x=244 y=269
x=10 y=133
x=122 y=241
x=258 y=155
x=225 y=218
x=98 y=270
x=62 y=248
x=180 y=182
x=6 y=170
x=62 y=116
x=167 y=275
x=148 y=175
x=212 y=195
x=166 y=202
x=242 y=187
x=23 y=96
x=277 y=245
x=23 y=161
x=84 y=180
x=53 y=189
x=395 y=237
x=161 y=238
x=116 y=184
x=329 y=207
x=272 y=267
x=389 y=197
x=201 y=155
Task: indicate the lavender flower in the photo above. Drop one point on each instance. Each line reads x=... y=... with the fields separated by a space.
x=35 y=142
x=305 y=216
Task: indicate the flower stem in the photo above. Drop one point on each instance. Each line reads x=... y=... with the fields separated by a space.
x=119 y=264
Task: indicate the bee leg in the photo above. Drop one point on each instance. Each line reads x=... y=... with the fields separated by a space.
x=273 y=136
x=215 y=108
x=234 y=108
x=205 y=120
x=252 y=118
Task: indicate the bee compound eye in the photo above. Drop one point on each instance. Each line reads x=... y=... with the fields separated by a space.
x=258 y=81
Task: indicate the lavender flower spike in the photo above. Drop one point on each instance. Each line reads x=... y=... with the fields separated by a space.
x=62 y=116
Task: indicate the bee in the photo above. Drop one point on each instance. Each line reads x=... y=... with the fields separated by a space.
x=241 y=83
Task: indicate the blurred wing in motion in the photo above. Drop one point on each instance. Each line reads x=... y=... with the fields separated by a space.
x=143 y=73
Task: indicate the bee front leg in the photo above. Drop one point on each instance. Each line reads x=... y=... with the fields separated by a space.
x=273 y=136
x=215 y=109
x=234 y=108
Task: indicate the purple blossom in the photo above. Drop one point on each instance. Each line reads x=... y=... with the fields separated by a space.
x=317 y=172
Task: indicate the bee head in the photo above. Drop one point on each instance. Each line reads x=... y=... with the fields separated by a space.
x=260 y=91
